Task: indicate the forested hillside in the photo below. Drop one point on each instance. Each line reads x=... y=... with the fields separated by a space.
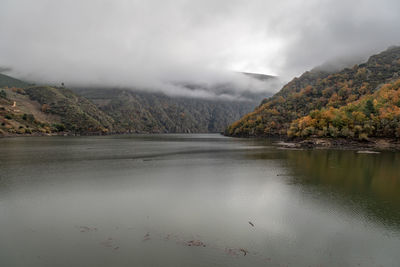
x=357 y=102
x=142 y=112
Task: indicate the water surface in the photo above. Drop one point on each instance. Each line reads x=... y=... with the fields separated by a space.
x=187 y=200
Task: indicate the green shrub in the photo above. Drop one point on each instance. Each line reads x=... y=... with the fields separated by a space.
x=59 y=127
x=3 y=94
x=28 y=117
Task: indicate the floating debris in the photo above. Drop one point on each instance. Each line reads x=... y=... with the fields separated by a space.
x=146 y=237
x=252 y=224
x=231 y=251
x=196 y=243
x=236 y=252
x=84 y=229
x=244 y=251
x=108 y=243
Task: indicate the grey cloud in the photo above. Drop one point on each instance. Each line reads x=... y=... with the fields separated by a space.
x=5 y=69
x=154 y=44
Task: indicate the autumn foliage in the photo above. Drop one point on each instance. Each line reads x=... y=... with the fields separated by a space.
x=357 y=102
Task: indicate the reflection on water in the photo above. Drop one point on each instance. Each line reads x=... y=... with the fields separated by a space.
x=369 y=181
x=194 y=200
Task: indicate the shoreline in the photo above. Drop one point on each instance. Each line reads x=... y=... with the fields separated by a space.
x=368 y=146
x=37 y=134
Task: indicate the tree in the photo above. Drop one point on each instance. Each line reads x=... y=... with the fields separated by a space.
x=369 y=108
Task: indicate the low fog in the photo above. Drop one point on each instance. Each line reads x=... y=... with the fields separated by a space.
x=162 y=45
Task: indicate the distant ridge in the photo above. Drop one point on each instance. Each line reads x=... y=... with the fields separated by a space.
x=151 y=112
x=8 y=81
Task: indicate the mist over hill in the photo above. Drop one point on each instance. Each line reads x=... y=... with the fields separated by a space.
x=142 y=111
x=28 y=109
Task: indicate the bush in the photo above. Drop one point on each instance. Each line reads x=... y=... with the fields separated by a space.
x=346 y=132
x=363 y=137
x=59 y=127
x=333 y=131
x=28 y=117
x=308 y=131
x=398 y=132
x=3 y=94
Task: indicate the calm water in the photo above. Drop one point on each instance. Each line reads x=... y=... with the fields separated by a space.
x=186 y=200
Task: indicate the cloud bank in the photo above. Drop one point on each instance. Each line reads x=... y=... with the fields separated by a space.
x=153 y=44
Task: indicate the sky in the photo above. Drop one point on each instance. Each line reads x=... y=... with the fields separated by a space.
x=155 y=45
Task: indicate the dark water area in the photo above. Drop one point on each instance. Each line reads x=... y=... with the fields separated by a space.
x=194 y=200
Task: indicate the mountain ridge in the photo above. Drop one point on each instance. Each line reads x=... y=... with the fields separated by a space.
x=27 y=109
x=143 y=112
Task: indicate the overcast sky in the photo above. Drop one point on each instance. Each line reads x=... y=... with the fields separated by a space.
x=149 y=43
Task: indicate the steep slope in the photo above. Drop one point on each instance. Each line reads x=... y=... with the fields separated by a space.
x=45 y=110
x=319 y=90
x=77 y=113
x=141 y=112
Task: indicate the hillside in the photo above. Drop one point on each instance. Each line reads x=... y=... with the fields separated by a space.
x=49 y=110
x=7 y=81
x=142 y=112
x=26 y=109
x=358 y=102
x=138 y=111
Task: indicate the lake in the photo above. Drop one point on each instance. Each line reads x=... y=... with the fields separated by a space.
x=194 y=200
